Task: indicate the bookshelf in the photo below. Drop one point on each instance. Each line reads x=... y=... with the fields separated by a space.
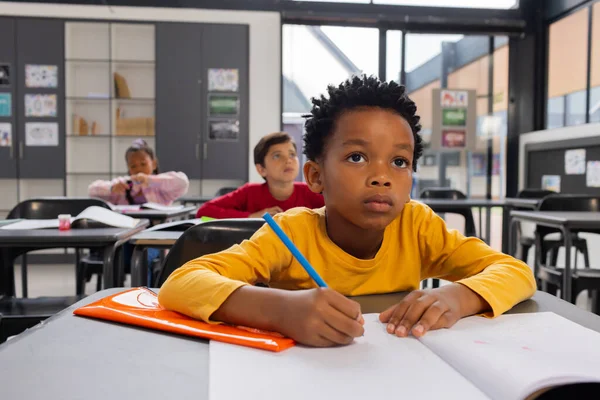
x=110 y=97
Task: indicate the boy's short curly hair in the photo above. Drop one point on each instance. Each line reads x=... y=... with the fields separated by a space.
x=365 y=91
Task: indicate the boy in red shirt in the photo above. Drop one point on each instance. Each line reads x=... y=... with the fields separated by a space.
x=276 y=160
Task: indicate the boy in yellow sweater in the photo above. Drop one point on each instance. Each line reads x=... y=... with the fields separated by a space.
x=363 y=144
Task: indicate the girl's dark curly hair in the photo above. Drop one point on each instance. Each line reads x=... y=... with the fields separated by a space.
x=365 y=91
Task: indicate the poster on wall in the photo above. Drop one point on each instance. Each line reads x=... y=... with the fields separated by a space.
x=4 y=75
x=223 y=80
x=5 y=105
x=223 y=105
x=40 y=105
x=551 y=182
x=5 y=134
x=454 y=138
x=41 y=76
x=224 y=130
x=41 y=134
x=454 y=98
x=592 y=177
x=575 y=162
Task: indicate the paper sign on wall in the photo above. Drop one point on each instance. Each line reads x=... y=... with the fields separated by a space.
x=40 y=105
x=4 y=75
x=5 y=134
x=592 y=178
x=575 y=162
x=41 y=76
x=223 y=80
x=454 y=138
x=41 y=134
x=224 y=130
x=5 y=105
x=551 y=182
x=454 y=98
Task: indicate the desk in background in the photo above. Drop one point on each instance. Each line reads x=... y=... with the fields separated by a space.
x=470 y=203
x=72 y=357
x=195 y=200
x=160 y=217
x=566 y=222
x=14 y=243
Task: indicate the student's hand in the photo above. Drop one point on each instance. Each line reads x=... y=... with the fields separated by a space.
x=271 y=210
x=320 y=317
x=140 y=179
x=119 y=187
x=424 y=310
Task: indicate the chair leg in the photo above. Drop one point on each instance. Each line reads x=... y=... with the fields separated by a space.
x=586 y=255
x=24 y=275
x=99 y=282
x=595 y=294
x=554 y=256
x=79 y=274
x=525 y=252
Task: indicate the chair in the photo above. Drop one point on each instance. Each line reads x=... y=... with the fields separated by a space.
x=452 y=194
x=50 y=208
x=466 y=212
x=207 y=238
x=224 y=190
x=550 y=275
x=526 y=242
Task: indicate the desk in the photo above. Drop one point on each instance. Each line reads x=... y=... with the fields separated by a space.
x=439 y=204
x=516 y=202
x=159 y=217
x=14 y=243
x=195 y=200
x=69 y=357
x=145 y=240
x=566 y=222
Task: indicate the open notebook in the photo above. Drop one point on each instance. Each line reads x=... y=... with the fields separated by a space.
x=91 y=217
x=146 y=206
x=510 y=357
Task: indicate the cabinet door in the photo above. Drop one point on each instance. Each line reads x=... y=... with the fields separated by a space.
x=40 y=45
x=225 y=155
x=179 y=97
x=8 y=142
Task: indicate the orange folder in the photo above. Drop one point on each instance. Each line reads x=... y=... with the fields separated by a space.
x=140 y=307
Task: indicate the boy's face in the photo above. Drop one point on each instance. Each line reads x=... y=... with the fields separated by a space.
x=366 y=171
x=281 y=163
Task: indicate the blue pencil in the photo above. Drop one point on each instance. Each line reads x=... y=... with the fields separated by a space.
x=294 y=250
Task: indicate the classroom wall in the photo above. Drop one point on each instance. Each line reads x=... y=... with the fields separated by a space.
x=265 y=50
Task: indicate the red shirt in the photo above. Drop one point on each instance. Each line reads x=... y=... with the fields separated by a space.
x=253 y=197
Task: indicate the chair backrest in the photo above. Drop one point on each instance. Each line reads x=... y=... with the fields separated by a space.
x=207 y=238
x=51 y=207
x=452 y=194
x=534 y=193
x=224 y=190
x=567 y=202
x=442 y=193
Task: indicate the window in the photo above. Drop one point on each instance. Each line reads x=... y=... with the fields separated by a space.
x=595 y=66
x=555 y=112
x=567 y=68
x=575 y=107
x=499 y=4
x=595 y=104
x=393 y=56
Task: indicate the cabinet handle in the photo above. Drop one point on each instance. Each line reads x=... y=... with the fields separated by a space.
x=205 y=152
x=20 y=150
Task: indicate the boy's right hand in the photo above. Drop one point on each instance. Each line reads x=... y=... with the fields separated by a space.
x=271 y=210
x=320 y=317
x=119 y=187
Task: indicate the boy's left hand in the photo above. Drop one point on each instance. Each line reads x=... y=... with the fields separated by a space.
x=424 y=310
